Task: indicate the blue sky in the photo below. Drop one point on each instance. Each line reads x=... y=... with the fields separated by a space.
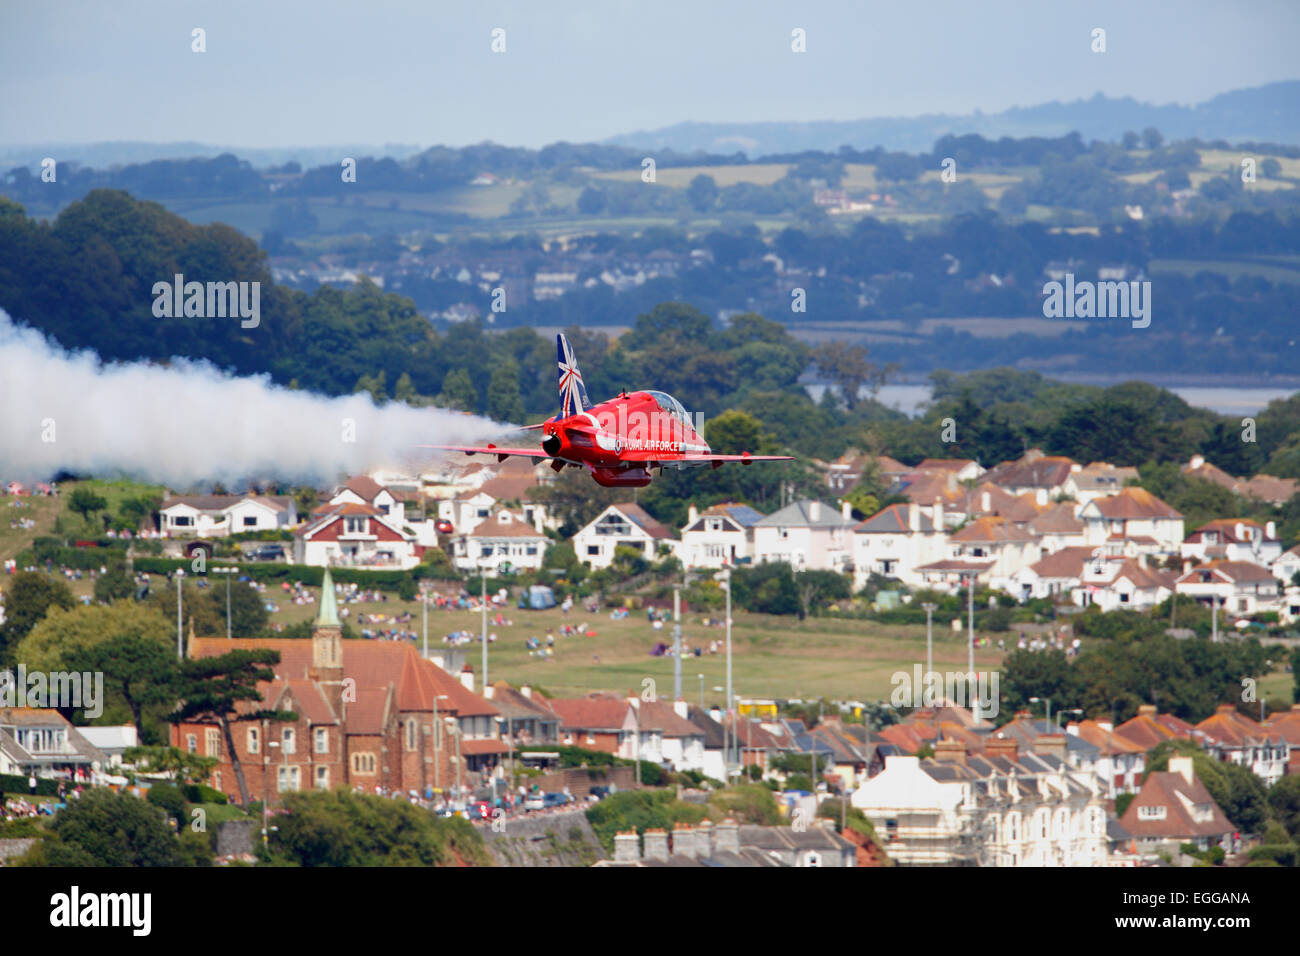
x=285 y=73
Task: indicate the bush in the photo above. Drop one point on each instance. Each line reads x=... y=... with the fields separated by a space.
x=17 y=783
x=1283 y=854
x=169 y=798
x=202 y=793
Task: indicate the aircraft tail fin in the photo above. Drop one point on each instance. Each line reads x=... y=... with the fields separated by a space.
x=573 y=393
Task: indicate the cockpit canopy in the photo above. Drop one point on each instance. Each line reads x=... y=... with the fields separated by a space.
x=672 y=407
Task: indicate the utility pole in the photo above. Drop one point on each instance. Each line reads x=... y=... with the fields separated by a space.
x=677 y=644
x=929 y=637
x=1214 y=617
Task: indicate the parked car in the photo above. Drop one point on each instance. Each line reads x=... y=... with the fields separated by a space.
x=269 y=552
x=555 y=800
x=536 y=801
x=480 y=810
x=599 y=792
x=442 y=526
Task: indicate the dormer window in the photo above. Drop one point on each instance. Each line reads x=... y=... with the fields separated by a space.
x=356 y=525
x=1151 y=813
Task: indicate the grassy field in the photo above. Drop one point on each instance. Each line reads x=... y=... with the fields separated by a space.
x=1273 y=270
x=14 y=539
x=679 y=177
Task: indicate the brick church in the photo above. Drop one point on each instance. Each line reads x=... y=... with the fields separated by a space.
x=365 y=718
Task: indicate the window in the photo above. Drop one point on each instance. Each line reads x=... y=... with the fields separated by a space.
x=322 y=778
x=412 y=738
x=182 y=521
x=192 y=743
x=212 y=742
x=363 y=763
x=250 y=521
x=356 y=525
x=531 y=549
x=481 y=513
x=1151 y=813
x=289 y=778
x=593 y=549
x=216 y=780
x=287 y=739
x=254 y=740
x=322 y=736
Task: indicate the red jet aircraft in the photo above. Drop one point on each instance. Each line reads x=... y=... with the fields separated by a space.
x=617 y=441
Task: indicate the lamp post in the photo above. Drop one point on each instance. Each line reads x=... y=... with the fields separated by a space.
x=677 y=644
x=970 y=667
x=227 y=572
x=723 y=577
x=451 y=721
x=424 y=614
x=437 y=735
x=483 y=600
x=929 y=636
x=1048 y=702
x=180 y=631
x=701 y=677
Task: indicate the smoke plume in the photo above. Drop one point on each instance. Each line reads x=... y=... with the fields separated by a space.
x=187 y=425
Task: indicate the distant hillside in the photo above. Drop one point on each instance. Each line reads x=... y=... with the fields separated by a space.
x=1262 y=114
x=105 y=155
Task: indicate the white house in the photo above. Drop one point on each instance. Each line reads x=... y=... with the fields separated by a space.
x=1057 y=528
x=1287 y=566
x=1054 y=574
x=1134 y=517
x=1097 y=480
x=354 y=535
x=809 y=535
x=1236 y=586
x=1012 y=810
x=720 y=536
x=364 y=490
x=896 y=541
x=1122 y=583
x=466 y=509
x=1009 y=546
x=208 y=516
x=1234 y=539
x=502 y=541
x=625 y=525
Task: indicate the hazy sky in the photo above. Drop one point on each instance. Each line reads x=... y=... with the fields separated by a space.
x=290 y=73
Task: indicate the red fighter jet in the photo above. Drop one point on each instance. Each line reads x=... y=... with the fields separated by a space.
x=617 y=441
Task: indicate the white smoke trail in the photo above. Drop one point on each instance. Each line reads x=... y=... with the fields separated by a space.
x=188 y=424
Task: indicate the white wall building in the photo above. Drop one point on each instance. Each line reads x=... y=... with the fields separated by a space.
x=808 y=535
x=625 y=525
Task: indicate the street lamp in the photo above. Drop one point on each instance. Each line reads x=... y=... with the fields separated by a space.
x=424 y=611
x=1048 y=702
x=929 y=636
x=483 y=600
x=180 y=631
x=437 y=735
x=451 y=722
x=701 y=676
x=227 y=572
x=723 y=578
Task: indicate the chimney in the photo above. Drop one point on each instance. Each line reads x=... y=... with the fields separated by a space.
x=526 y=691
x=726 y=837
x=1040 y=496
x=627 y=846
x=846 y=510
x=704 y=839
x=1225 y=709
x=1050 y=744
x=489 y=691
x=1007 y=747
x=467 y=678
x=684 y=841
x=1187 y=566
x=986 y=504
x=1270 y=531
x=1147 y=710
x=913 y=518
x=656 y=844
x=680 y=707
x=814 y=511
x=692 y=513
x=1196 y=462
x=950 y=751
x=937 y=514
x=1241 y=531
x=1184 y=766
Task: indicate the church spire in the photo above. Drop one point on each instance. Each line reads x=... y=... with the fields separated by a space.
x=329 y=606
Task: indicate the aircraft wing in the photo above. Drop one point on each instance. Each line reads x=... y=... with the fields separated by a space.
x=489 y=449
